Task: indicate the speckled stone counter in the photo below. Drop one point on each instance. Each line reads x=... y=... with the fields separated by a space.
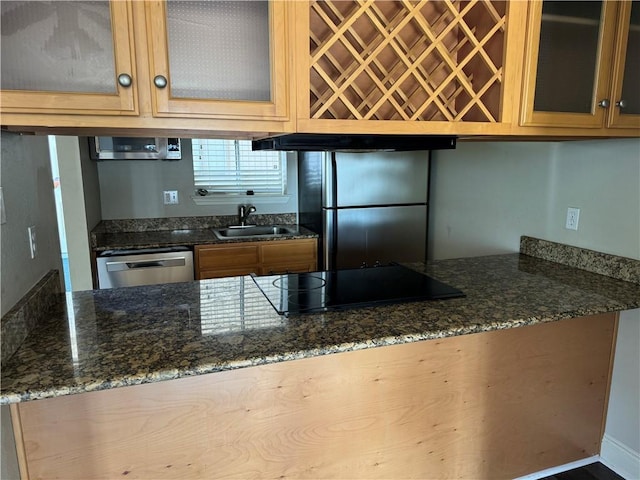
x=105 y=339
x=187 y=223
x=188 y=231
x=615 y=266
x=170 y=238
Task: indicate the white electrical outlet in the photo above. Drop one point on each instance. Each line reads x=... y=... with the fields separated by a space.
x=170 y=197
x=33 y=246
x=573 y=216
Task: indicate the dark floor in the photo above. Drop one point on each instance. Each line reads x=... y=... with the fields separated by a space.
x=594 y=471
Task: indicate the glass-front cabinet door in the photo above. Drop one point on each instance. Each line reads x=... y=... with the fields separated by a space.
x=222 y=59
x=625 y=98
x=568 y=70
x=67 y=57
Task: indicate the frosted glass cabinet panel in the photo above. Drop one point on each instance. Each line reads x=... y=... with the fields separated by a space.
x=57 y=46
x=582 y=64
x=569 y=62
x=237 y=68
x=625 y=98
x=566 y=74
x=630 y=98
x=65 y=47
x=222 y=59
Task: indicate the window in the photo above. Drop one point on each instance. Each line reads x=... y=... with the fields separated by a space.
x=231 y=167
x=228 y=306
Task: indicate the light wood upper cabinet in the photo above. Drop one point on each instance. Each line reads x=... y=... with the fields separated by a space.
x=400 y=67
x=262 y=67
x=625 y=87
x=582 y=57
x=218 y=59
x=63 y=57
x=191 y=66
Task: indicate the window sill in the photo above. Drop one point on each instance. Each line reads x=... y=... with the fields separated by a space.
x=231 y=199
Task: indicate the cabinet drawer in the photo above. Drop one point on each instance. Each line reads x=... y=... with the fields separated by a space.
x=302 y=267
x=227 y=272
x=221 y=256
x=289 y=252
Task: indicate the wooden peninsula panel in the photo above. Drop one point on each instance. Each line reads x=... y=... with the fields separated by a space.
x=497 y=404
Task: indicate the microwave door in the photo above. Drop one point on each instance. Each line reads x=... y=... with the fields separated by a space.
x=130 y=148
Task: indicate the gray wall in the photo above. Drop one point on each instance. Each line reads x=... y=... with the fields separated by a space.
x=133 y=189
x=27 y=186
x=25 y=176
x=485 y=195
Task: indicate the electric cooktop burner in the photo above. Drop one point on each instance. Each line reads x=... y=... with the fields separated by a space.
x=341 y=289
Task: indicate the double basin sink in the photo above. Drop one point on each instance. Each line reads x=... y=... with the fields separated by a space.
x=253 y=231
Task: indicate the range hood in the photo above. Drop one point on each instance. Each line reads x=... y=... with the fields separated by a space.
x=311 y=142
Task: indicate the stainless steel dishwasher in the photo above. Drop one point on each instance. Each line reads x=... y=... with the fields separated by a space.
x=149 y=266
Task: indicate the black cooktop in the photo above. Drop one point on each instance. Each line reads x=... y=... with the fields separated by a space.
x=342 y=289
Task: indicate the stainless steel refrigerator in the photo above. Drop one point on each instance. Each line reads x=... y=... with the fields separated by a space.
x=368 y=208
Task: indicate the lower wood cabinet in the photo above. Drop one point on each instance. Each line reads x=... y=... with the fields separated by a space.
x=262 y=258
x=497 y=404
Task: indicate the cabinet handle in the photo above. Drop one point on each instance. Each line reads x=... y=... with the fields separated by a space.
x=604 y=103
x=124 y=79
x=160 y=81
x=621 y=103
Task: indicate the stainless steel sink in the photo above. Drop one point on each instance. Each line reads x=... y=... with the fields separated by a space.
x=253 y=231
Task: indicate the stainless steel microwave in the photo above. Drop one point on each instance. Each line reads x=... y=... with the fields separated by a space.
x=135 y=148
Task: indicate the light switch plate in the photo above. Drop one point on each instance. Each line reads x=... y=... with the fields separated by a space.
x=170 y=197
x=33 y=245
x=3 y=215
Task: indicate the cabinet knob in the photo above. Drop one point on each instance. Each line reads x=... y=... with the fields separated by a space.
x=604 y=103
x=124 y=79
x=621 y=103
x=160 y=81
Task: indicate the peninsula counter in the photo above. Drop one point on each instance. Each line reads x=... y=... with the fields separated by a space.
x=511 y=379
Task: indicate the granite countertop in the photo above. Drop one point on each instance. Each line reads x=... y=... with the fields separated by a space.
x=104 y=339
x=182 y=231
x=187 y=237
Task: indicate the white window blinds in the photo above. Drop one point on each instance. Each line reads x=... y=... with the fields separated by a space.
x=230 y=166
x=232 y=305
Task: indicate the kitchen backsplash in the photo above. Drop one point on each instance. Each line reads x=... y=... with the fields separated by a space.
x=141 y=195
x=189 y=223
x=622 y=268
x=25 y=316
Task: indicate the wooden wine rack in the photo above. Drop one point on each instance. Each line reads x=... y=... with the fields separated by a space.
x=407 y=60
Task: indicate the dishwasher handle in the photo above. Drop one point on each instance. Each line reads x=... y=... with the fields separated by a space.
x=160 y=263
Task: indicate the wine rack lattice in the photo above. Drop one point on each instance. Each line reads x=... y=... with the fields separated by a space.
x=407 y=60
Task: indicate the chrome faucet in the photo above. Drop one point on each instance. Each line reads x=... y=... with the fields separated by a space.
x=243 y=213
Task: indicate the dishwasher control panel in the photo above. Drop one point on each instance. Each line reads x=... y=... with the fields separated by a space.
x=130 y=268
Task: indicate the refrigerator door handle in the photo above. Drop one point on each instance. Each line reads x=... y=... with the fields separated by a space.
x=330 y=183
x=330 y=240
